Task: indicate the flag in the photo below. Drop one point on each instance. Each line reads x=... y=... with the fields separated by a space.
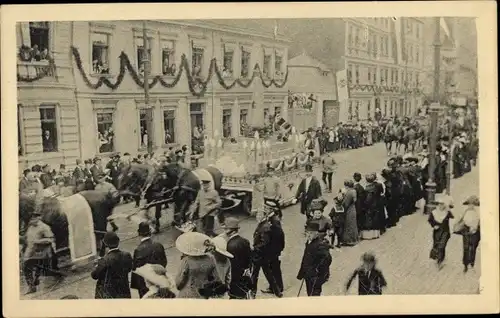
x=444 y=25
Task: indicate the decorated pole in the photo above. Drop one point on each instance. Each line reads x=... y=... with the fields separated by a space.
x=146 y=64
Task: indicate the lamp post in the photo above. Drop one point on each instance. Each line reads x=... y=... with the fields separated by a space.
x=434 y=109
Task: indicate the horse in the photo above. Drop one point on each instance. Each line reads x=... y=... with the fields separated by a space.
x=171 y=183
x=54 y=211
x=392 y=134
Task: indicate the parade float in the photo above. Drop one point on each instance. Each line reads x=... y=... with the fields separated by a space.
x=245 y=162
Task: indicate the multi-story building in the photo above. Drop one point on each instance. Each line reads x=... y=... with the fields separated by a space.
x=104 y=108
x=48 y=124
x=383 y=58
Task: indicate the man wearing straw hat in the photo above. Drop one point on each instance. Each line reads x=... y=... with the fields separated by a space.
x=240 y=248
x=148 y=252
x=316 y=260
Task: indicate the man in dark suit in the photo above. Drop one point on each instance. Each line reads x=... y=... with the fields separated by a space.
x=46 y=177
x=111 y=271
x=360 y=199
x=24 y=183
x=48 y=142
x=148 y=252
x=308 y=190
x=79 y=176
x=315 y=266
x=241 y=261
x=89 y=178
x=267 y=249
x=96 y=169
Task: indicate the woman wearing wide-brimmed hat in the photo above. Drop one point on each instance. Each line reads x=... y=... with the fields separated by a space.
x=158 y=282
x=197 y=268
x=439 y=219
x=469 y=227
x=222 y=263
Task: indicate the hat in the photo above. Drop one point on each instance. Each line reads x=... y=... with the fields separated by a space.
x=349 y=183
x=231 y=223
x=62 y=166
x=78 y=161
x=312 y=227
x=156 y=275
x=36 y=168
x=271 y=203
x=144 y=229
x=370 y=177
x=309 y=168
x=111 y=239
x=96 y=159
x=317 y=204
x=221 y=246
x=88 y=161
x=474 y=200
x=192 y=243
x=126 y=154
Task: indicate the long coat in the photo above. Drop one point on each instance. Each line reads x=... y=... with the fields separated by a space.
x=148 y=252
x=316 y=261
x=242 y=257
x=111 y=274
x=360 y=201
x=306 y=197
x=373 y=216
x=350 y=233
x=194 y=273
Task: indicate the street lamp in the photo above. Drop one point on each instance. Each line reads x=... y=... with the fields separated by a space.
x=434 y=109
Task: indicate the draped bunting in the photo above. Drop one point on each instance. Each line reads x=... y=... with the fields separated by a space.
x=377 y=89
x=197 y=86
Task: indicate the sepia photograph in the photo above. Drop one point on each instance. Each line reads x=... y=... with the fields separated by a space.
x=247 y=158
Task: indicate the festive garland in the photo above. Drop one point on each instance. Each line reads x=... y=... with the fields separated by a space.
x=377 y=89
x=45 y=71
x=196 y=85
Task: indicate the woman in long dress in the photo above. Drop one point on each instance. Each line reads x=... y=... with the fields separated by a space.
x=222 y=264
x=439 y=219
x=197 y=269
x=373 y=215
x=470 y=230
x=350 y=234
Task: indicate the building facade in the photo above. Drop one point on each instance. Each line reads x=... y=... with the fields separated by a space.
x=311 y=78
x=104 y=109
x=48 y=126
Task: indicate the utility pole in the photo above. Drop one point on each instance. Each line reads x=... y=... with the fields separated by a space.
x=146 y=60
x=434 y=109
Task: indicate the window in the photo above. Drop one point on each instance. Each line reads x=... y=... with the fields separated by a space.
x=369 y=109
x=39 y=36
x=369 y=75
x=266 y=114
x=100 y=53
x=197 y=61
x=169 y=126
x=417 y=80
x=387 y=49
x=243 y=120
x=357 y=74
x=392 y=108
x=197 y=125
x=385 y=108
x=267 y=65
x=386 y=76
x=167 y=58
x=105 y=131
x=349 y=73
x=245 y=63
x=227 y=61
x=375 y=45
x=20 y=144
x=226 y=123
x=49 y=128
x=141 y=56
x=396 y=73
x=417 y=55
x=356 y=110
x=375 y=76
x=356 y=36
x=349 y=111
x=369 y=42
x=277 y=111
x=350 y=36
x=278 y=64
x=145 y=135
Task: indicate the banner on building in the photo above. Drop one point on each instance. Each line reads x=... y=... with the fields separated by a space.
x=301 y=100
x=342 y=87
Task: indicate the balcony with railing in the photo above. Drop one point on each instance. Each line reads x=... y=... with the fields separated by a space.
x=35 y=66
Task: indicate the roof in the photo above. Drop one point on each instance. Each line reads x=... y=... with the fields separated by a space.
x=304 y=60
